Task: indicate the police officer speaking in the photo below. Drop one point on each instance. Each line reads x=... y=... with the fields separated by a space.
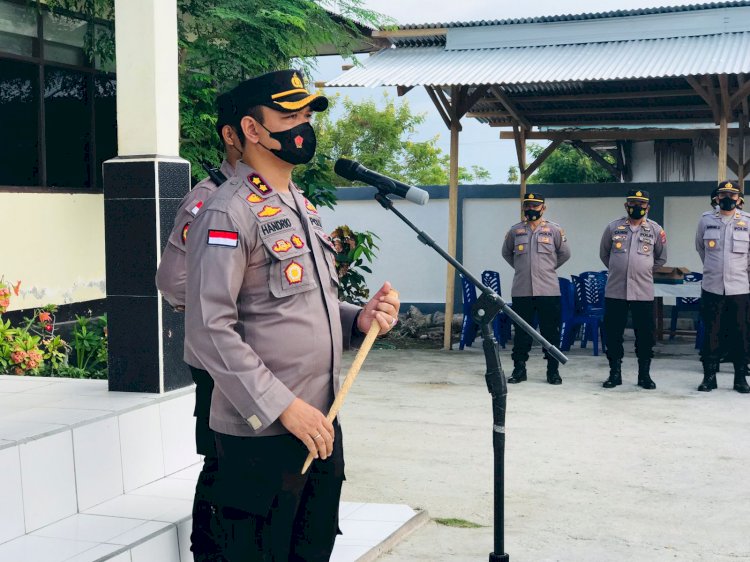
x=722 y=241
x=263 y=318
x=632 y=247
x=535 y=248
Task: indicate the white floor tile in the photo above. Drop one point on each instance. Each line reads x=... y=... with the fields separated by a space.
x=178 y=433
x=48 y=480
x=92 y=528
x=98 y=462
x=398 y=513
x=17 y=400
x=163 y=548
x=123 y=557
x=11 y=513
x=175 y=488
x=140 y=440
x=148 y=508
x=347 y=508
x=21 y=384
x=14 y=430
x=112 y=401
x=347 y=553
x=190 y=473
x=138 y=534
x=98 y=553
x=62 y=416
x=41 y=549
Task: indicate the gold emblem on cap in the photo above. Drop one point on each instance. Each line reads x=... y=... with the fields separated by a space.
x=638 y=194
x=728 y=184
x=530 y=196
x=296 y=82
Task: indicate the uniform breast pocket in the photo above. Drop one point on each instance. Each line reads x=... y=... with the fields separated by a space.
x=645 y=248
x=330 y=255
x=618 y=244
x=291 y=276
x=740 y=241
x=545 y=247
x=711 y=239
x=521 y=245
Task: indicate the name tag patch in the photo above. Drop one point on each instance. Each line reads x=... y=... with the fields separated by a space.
x=275 y=226
x=227 y=238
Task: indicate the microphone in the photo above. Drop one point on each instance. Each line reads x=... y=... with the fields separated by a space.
x=357 y=172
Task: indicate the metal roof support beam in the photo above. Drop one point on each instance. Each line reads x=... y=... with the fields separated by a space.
x=596 y=157
x=603 y=122
x=510 y=106
x=592 y=111
x=608 y=96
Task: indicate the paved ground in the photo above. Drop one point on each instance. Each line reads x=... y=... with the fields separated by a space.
x=591 y=474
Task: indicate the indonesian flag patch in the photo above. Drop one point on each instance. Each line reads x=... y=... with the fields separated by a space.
x=223 y=238
x=196 y=208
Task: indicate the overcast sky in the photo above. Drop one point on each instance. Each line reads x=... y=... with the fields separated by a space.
x=479 y=144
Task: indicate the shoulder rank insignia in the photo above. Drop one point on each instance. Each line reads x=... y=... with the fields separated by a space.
x=281 y=246
x=196 y=208
x=310 y=207
x=184 y=232
x=254 y=198
x=259 y=184
x=293 y=273
x=227 y=238
x=297 y=242
x=520 y=231
x=268 y=211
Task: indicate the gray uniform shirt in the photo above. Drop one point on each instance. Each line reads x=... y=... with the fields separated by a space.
x=632 y=257
x=723 y=248
x=535 y=255
x=262 y=309
x=170 y=276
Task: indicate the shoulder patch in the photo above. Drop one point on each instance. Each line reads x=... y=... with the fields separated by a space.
x=268 y=211
x=195 y=208
x=228 y=238
x=259 y=183
x=663 y=236
x=254 y=198
x=185 y=233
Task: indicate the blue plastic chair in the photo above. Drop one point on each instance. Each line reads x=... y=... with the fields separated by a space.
x=567 y=312
x=501 y=323
x=688 y=304
x=468 y=326
x=589 y=307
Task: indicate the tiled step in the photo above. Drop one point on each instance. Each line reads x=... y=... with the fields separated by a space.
x=90 y=475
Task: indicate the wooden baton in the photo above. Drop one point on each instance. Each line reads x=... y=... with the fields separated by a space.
x=349 y=380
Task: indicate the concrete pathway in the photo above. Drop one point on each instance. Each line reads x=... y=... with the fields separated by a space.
x=591 y=474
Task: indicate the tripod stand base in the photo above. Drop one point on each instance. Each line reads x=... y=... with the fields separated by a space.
x=499 y=557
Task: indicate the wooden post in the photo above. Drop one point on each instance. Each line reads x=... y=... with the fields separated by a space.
x=722 y=172
x=741 y=172
x=520 y=134
x=452 y=222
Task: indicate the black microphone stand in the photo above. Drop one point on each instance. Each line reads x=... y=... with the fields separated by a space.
x=488 y=305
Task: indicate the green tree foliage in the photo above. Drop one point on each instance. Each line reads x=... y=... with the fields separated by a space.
x=381 y=138
x=222 y=42
x=567 y=164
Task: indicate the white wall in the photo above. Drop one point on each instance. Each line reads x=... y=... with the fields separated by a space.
x=419 y=274
x=706 y=163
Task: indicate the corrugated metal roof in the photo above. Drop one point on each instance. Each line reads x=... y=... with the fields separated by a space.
x=727 y=53
x=584 y=16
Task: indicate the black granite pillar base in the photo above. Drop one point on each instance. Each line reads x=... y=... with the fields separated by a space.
x=145 y=334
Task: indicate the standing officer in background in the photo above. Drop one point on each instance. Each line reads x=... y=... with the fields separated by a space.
x=722 y=242
x=632 y=247
x=264 y=319
x=535 y=248
x=170 y=280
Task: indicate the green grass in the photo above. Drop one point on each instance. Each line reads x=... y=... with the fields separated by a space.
x=460 y=523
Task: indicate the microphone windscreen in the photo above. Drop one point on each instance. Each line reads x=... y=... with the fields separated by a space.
x=346 y=168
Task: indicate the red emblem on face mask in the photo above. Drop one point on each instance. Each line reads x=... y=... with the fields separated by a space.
x=298 y=141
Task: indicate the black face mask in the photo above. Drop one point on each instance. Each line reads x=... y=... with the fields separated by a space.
x=297 y=144
x=635 y=212
x=727 y=204
x=532 y=214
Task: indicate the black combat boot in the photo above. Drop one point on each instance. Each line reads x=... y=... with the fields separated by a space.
x=519 y=372
x=615 y=374
x=740 y=382
x=709 y=376
x=644 y=376
x=553 y=375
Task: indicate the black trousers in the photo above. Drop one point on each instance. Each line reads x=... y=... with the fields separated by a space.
x=265 y=509
x=725 y=322
x=615 y=319
x=547 y=310
x=202 y=538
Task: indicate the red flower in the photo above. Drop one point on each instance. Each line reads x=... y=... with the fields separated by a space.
x=48 y=327
x=45 y=317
